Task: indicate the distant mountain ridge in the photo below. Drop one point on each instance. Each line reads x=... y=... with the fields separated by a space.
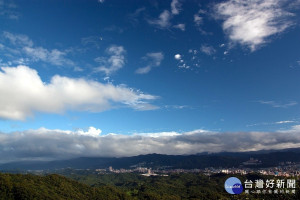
x=269 y=158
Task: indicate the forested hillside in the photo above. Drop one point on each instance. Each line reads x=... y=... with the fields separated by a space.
x=126 y=186
x=56 y=187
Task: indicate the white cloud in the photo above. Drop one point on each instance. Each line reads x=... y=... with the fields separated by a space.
x=18 y=39
x=181 y=63
x=197 y=19
x=22 y=45
x=113 y=63
x=285 y=122
x=23 y=92
x=8 y=9
x=175 y=7
x=180 y=26
x=250 y=23
x=177 y=106
x=163 y=20
x=177 y=56
x=45 y=144
x=55 y=56
x=101 y=1
x=92 y=131
x=184 y=66
x=154 y=60
x=143 y=70
x=279 y=105
x=209 y=50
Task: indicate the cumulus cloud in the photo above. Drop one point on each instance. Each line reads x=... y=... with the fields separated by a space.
x=92 y=131
x=45 y=144
x=22 y=92
x=250 y=23
x=154 y=60
x=114 y=62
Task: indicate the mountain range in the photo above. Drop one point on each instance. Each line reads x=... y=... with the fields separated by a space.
x=268 y=158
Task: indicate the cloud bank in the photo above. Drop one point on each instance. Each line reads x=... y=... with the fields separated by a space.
x=23 y=92
x=45 y=144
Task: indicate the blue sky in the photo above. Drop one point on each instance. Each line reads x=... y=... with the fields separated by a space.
x=149 y=66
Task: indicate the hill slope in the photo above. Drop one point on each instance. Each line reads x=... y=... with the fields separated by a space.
x=21 y=187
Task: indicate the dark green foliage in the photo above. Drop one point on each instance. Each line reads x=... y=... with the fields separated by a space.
x=126 y=186
x=176 y=186
x=23 y=187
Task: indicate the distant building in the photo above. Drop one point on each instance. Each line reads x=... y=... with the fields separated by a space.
x=225 y=171
x=150 y=173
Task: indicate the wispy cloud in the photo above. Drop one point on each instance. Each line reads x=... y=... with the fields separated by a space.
x=114 y=62
x=208 y=50
x=251 y=23
x=165 y=17
x=46 y=144
x=8 y=10
x=18 y=39
x=92 y=40
x=21 y=47
x=180 y=26
x=279 y=105
x=163 y=20
x=198 y=20
x=133 y=17
x=177 y=107
x=23 y=92
x=175 y=7
x=154 y=60
x=285 y=122
x=54 y=56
